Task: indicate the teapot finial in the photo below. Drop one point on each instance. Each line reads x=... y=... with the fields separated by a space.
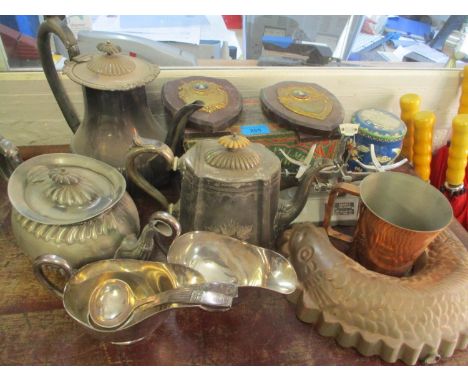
x=234 y=141
x=108 y=48
x=68 y=189
x=233 y=155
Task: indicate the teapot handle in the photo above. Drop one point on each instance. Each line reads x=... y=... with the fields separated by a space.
x=142 y=146
x=346 y=188
x=167 y=151
x=51 y=260
x=54 y=25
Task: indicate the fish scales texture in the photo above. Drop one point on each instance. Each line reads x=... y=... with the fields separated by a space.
x=420 y=312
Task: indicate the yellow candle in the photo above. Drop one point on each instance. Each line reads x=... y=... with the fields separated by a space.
x=458 y=150
x=463 y=108
x=422 y=147
x=409 y=104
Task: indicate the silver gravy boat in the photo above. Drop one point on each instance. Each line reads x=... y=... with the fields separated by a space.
x=220 y=258
x=145 y=278
x=192 y=259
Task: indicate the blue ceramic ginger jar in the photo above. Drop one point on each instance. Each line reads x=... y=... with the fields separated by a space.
x=381 y=128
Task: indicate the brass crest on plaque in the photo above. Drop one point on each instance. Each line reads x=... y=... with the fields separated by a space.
x=306 y=101
x=213 y=95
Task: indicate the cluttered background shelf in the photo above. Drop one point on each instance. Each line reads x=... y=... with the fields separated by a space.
x=29 y=114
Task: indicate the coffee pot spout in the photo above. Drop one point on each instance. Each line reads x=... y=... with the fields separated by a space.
x=290 y=210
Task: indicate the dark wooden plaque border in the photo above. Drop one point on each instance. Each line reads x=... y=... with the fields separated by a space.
x=207 y=122
x=279 y=113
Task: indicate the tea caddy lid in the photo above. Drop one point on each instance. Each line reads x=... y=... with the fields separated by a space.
x=379 y=124
x=62 y=189
x=110 y=70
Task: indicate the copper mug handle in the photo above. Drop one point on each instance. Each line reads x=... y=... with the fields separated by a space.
x=346 y=188
x=51 y=260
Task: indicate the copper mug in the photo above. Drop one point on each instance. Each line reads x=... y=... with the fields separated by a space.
x=400 y=215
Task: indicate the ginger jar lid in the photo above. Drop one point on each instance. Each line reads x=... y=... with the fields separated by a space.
x=62 y=188
x=110 y=70
x=379 y=124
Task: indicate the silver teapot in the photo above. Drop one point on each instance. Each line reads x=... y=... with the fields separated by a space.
x=73 y=206
x=229 y=186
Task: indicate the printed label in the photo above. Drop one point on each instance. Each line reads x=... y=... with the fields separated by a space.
x=345 y=208
x=254 y=130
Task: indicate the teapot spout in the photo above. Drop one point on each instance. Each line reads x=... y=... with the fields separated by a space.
x=161 y=229
x=290 y=210
x=9 y=158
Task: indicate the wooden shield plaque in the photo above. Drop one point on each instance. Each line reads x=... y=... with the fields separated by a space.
x=223 y=102
x=305 y=107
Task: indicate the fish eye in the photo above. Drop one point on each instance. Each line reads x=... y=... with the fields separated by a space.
x=305 y=253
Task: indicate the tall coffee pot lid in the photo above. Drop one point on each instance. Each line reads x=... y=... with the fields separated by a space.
x=110 y=70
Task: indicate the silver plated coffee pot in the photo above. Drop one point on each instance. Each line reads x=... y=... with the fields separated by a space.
x=115 y=104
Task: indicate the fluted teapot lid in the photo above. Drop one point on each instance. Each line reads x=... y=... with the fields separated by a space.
x=231 y=160
x=233 y=153
x=62 y=189
x=110 y=69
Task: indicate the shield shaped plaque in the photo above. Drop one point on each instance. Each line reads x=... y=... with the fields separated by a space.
x=305 y=107
x=223 y=102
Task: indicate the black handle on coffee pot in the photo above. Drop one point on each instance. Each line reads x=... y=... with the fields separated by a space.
x=53 y=25
x=176 y=132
